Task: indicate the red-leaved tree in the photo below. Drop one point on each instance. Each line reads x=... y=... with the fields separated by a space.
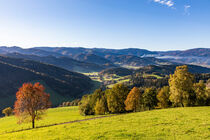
x=31 y=103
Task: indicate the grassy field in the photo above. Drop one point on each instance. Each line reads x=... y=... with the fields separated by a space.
x=172 y=124
x=53 y=116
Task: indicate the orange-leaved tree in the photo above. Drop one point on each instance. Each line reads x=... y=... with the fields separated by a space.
x=31 y=103
x=132 y=103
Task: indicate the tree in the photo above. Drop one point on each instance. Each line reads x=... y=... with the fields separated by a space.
x=7 y=111
x=201 y=94
x=163 y=97
x=31 y=103
x=149 y=98
x=88 y=102
x=132 y=103
x=85 y=107
x=116 y=98
x=181 y=87
x=100 y=107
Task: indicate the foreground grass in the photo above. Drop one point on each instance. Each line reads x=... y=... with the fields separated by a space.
x=53 y=116
x=176 y=123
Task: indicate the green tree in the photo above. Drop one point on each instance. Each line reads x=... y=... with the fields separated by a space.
x=88 y=102
x=100 y=107
x=85 y=106
x=7 y=111
x=116 y=98
x=163 y=97
x=149 y=98
x=132 y=103
x=201 y=94
x=181 y=87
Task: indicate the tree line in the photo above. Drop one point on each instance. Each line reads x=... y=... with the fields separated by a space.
x=182 y=91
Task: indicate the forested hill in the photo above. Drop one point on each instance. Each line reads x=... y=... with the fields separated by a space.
x=60 y=83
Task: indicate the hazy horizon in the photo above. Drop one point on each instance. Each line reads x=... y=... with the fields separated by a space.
x=101 y=48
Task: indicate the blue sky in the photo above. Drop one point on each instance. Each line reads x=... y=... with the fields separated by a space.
x=146 y=24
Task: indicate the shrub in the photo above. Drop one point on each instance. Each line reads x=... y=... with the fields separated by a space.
x=7 y=111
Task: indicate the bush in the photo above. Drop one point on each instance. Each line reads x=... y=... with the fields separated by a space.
x=7 y=111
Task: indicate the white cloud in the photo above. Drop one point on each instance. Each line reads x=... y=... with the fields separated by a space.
x=168 y=3
x=186 y=9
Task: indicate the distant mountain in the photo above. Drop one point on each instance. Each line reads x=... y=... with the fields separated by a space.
x=106 y=57
x=197 y=52
x=63 y=62
x=60 y=83
x=72 y=51
x=169 y=69
x=130 y=60
x=30 y=51
x=92 y=58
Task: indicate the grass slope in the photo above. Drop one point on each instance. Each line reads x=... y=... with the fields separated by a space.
x=176 y=123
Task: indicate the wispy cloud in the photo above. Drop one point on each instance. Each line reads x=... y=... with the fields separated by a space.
x=187 y=9
x=168 y=3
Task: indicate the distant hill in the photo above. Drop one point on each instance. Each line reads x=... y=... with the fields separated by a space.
x=199 y=52
x=131 y=56
x=92 y=58
x=62 y=84
x=63 y=62
x=130 y=60
x=30 y=51
x=169 y=69
x=72 y=51
x=117 y=71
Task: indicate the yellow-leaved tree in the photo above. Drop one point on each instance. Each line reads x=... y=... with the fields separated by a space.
x=181 y=87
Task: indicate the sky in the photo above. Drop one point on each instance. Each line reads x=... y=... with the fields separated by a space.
x=146 y=24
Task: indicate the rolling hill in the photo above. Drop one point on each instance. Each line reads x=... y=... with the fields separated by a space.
x=62 y=84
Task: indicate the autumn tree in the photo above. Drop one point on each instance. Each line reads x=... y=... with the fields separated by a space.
x=116 y=98
x=31 y=103
x=181 y=87
x=132 y=103
x=7 y=111
x=163 y=97
x=149 y=98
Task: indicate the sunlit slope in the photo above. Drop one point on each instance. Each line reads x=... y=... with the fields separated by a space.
x=176 y=123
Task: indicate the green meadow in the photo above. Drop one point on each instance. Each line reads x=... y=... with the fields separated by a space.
x=173 y=124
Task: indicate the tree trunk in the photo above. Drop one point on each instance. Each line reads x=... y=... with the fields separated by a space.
x=33 y=123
